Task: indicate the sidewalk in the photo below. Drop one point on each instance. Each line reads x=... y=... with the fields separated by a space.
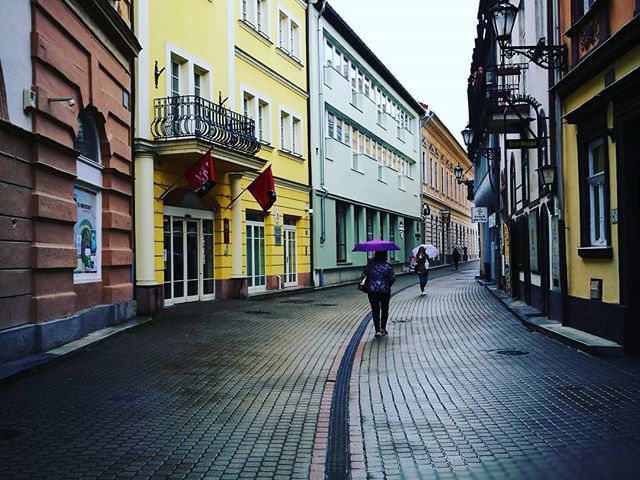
x=537 y=321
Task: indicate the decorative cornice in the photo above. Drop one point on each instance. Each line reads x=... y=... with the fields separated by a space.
x=270 y=72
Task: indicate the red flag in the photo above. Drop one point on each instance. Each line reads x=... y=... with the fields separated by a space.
x=201 y=175
x=263 y=189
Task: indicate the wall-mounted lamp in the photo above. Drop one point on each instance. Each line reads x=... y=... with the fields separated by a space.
x=503 y=17
x=547 y=174
x=70 y=101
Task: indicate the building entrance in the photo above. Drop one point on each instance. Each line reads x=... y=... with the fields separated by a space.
x=188 y=256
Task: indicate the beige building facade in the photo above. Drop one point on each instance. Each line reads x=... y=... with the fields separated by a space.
x=446 y=207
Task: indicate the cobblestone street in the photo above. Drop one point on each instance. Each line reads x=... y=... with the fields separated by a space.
x=235 y=390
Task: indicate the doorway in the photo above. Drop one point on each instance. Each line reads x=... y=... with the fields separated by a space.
x=256 y=264
x=188 y=256
x=290 y=256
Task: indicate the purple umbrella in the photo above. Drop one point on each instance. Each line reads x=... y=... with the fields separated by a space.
x=375 y=246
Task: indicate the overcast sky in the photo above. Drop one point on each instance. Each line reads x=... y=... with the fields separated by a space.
x=427 y=45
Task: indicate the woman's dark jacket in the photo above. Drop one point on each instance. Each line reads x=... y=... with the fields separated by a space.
x=380 y=277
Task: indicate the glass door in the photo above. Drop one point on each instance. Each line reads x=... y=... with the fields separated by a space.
x=290 y=256
x=188 y=259
x=256 y=273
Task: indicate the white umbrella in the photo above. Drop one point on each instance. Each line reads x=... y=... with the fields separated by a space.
x=431 y=250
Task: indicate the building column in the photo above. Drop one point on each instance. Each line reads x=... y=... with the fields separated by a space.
x=149 y=294
x=238 y=283
x=236 y=226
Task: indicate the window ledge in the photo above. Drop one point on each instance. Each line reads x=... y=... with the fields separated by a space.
x=595 y=252
x=382 y=181
x=266 y=146
x=253 y=30
x=357 y=171
x=291 y=58
x=289 y=154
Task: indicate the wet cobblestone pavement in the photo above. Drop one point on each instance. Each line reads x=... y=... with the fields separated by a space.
x=461 y=389
x=234 y=390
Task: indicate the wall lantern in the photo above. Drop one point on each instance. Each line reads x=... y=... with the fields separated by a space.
x=503 y=16
x=467 y=135
x=458 y=172
x=547 y=175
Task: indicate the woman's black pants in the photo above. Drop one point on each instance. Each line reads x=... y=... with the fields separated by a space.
x=379 y=309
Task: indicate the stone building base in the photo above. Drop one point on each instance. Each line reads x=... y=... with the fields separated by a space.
x=23 y=340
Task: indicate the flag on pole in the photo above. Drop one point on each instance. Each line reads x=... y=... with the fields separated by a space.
x=263 y=189
x=201 y=175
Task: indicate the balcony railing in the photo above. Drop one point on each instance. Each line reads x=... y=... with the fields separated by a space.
x=190 y=116
x=490 y=88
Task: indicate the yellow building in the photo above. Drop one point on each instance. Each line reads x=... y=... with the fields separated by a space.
x=600 y=144
x=227 y=76
x=447 y=220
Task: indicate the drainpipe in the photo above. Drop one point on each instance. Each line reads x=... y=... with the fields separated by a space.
x=325 y=192
x=426 y=118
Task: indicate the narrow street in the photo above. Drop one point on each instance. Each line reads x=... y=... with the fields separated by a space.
x=234 y=389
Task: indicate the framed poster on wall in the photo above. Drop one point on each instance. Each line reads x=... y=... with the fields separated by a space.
x=86 y=234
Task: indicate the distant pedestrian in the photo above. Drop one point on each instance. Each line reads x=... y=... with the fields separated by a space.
x=456 y=257
x=422 y=268
x=380 y=277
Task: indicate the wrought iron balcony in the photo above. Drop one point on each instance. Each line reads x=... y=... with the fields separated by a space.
x=190 y=116
x=489 y=90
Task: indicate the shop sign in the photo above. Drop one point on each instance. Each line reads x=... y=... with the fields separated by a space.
x=479 y=214
x=521 y=143
x=492 y=220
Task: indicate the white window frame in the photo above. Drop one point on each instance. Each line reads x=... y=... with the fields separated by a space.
x=596 y=182
x=290 y=36
x=257 y=100
x=189 y=65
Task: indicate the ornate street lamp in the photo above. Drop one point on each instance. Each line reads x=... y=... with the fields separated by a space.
x=458 y=172
x=503 y=16
x=467 y=135
x=547 y=175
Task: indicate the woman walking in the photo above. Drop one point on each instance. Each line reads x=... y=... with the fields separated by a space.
x=380 y=277
x=422 y=268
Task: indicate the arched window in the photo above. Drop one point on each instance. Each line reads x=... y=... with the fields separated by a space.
x=87 y=141
x=87 y=193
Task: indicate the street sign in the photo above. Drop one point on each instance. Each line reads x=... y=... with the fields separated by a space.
x=479 y=214
x=521 y=143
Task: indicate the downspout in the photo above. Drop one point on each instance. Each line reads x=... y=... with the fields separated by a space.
x=132 y=101
x=325 y=192
x=553 y=30
x=310 y=165
x=426 y=118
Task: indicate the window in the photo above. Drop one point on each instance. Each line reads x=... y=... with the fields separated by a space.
x=294 y=37
x=197 y=82
x=175 y=79
x=596 y=193
x=263 y=122
x=289 y=39
x=331 y=125
x=328 y=54
x=296 y=132
x=256 y=14
x=248 y=101
x=357 y=214
x=347 y=133
x=87 y=231
x=525 y=177
x=283 y=31
x=341 y=233
x=285 y=131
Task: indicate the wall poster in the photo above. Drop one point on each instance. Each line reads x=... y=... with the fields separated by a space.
x=85 y=231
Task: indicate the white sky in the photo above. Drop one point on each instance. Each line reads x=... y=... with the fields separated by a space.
x=426 y=44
